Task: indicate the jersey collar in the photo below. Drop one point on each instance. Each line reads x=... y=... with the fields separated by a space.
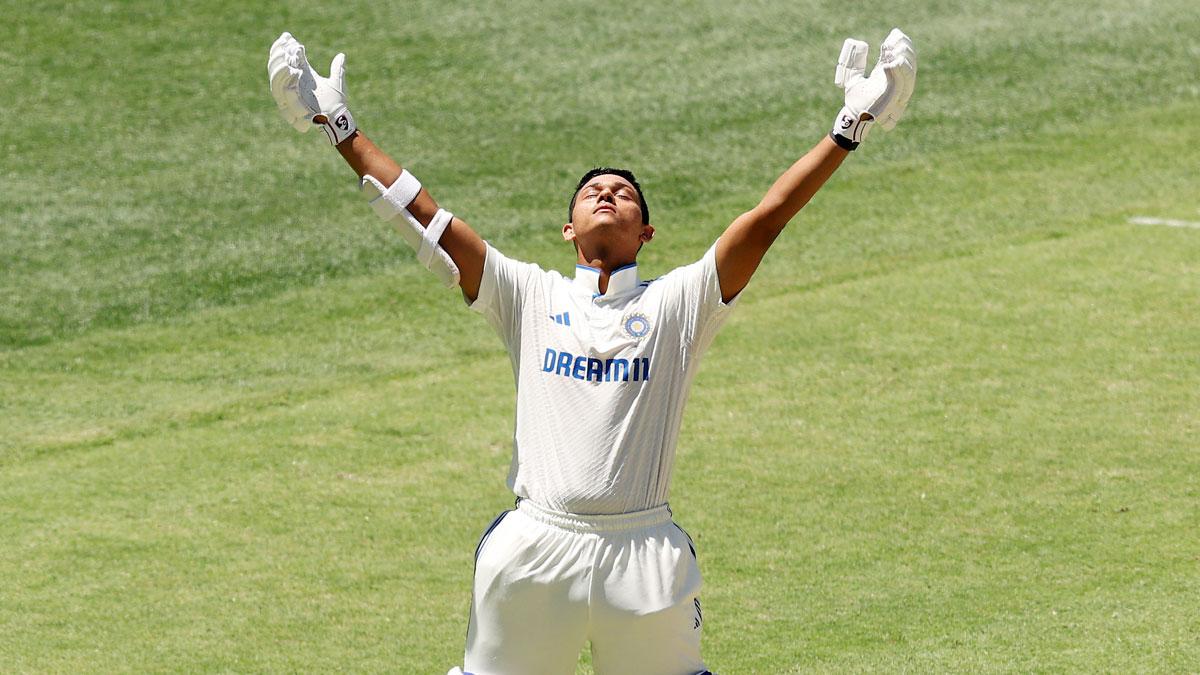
x=622 y=280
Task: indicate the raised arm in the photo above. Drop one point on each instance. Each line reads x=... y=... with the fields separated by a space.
x=882 y=97
x=465 y=247
x=744 y=243
x=307 y=101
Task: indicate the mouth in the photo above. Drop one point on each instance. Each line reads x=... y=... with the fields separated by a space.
x=604 y=207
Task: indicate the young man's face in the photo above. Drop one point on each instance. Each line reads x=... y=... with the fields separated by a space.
x=607 y=220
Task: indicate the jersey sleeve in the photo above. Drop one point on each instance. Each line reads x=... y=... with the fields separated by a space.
x=505 y=285
x=695 y=292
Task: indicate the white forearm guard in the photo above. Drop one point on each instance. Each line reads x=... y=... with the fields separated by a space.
x=391 y=203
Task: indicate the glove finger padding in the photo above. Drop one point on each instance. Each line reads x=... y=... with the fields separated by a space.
x=880 y=97
x=896 y=42
x=277 y=54
x=291 y=82
x=852 y=63
x=902 y=77
x=899 y=60
x=306 y=99
x=284 y=88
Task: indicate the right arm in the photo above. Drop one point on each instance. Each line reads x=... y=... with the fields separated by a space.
x=463 y=245
x=307 y=101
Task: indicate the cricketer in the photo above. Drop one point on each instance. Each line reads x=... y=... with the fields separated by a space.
x=603 y=360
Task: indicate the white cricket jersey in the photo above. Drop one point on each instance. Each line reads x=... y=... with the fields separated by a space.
x=601 y=379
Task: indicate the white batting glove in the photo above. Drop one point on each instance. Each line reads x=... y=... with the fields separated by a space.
x=306 y=99
x=881 y=97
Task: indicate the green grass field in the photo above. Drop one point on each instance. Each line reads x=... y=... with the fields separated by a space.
x=953 y=425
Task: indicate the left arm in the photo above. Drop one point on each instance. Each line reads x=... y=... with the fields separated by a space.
x=742 y=247
x=881 y=97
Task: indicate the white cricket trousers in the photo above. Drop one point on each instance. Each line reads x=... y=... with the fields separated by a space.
x=547 y=582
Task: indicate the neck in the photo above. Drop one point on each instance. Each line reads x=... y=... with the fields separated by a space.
x=606 y=268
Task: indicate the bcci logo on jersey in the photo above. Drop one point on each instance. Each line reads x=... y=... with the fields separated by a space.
x=636 y=325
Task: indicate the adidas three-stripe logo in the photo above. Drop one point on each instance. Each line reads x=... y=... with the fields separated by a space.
x=563 y=319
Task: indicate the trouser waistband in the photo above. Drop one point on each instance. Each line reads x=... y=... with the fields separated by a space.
x=618 y=522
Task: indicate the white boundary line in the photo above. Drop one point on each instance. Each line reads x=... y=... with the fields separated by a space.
x=1144 y=220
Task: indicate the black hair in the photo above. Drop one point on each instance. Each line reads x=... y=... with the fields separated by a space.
x=603 y=170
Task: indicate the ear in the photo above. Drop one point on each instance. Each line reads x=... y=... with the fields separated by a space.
x=568 y=232
x=647 y=233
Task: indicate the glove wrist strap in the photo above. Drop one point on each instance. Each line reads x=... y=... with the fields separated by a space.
x=850 y=129
x=338 y=125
